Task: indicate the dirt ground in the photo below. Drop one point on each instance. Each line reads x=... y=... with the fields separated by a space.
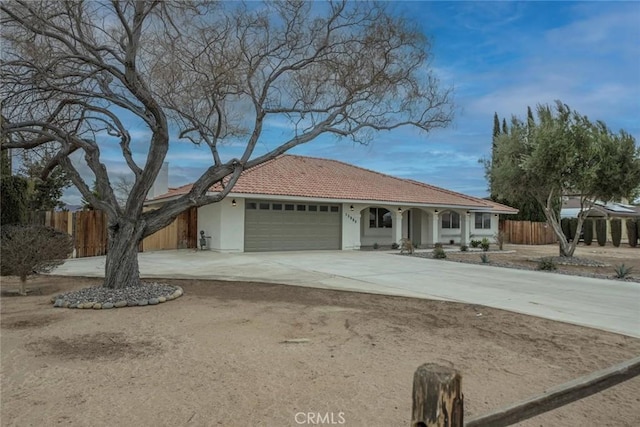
x=526 y=255
x=217 y=356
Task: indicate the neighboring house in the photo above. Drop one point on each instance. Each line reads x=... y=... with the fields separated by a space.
x=607 y=211
x=571 y=209
x=304 y=203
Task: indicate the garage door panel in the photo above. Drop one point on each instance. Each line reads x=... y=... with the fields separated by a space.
x=297 y=229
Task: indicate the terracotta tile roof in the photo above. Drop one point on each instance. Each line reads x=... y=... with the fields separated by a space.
x=301 y=176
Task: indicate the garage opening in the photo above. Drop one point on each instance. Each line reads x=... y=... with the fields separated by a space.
x=291 y=226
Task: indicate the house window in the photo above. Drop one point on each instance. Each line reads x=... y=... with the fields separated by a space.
x=324 y=208
x=483 y=221
x=288 y=207
x=450 y=220
x=313 y=208
x=264 y=206
x=334 y=209
x=251 y=205
x=277 y=206
x=301 y=208
x=379 y=218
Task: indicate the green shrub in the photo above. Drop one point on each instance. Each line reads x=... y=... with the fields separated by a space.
x=573 y=228
x=601 y=231
x=632 y=232
x=587 y=226
x=566 y=228
x=484 y=258
x=485 y=244
x=464 y=248
x=394 y=245
x=438 y=245
x=547 y=264
x=622 y=271
x=376 y=246
x=616 y=231
x=439 y=253
x=475 y=243
x=13 y=193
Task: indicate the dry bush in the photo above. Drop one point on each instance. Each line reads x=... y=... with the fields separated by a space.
x=30 y=249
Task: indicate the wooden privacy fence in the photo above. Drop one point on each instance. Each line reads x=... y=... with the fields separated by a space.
x=528 y=232
x=89 y=231
x=438 y=400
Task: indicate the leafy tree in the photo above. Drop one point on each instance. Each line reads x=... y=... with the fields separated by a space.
x=564 y=153
x=46 y=187
x=528 y=208
x=29 y=249
x=214 y=73
x=14 y=203
x=86 y=204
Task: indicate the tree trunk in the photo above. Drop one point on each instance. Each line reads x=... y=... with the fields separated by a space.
x=23 y=286
x=121 y=269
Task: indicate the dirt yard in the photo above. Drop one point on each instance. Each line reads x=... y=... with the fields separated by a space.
x=217 y=356
x=526 y=255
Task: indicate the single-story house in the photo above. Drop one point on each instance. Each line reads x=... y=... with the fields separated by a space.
x=602 y=210
x=607 y=210
x=304 y=203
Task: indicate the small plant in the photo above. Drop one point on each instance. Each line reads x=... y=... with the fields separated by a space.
x=475 y=243
x=394 y=245
x=416 y=246
x=438 y=245
x=30 y=249
x=464 y=248
x=484 y=244
x=439 y=253
x=547 y=264
x=500 y=238
x=484 y=258
x=376 y=245
x=622 y=271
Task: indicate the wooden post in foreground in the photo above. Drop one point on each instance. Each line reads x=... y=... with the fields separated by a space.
x=437 y=397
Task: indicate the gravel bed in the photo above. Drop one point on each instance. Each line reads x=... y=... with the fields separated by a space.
x=97 y=297
x=589 y=263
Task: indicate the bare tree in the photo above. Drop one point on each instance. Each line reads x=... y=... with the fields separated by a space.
x=122 y=188
x=212 y=72
x=30 y=249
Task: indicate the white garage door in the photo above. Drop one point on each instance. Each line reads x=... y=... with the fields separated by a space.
x=286 y=226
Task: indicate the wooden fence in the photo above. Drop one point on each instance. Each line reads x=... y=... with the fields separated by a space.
x=89 y=231
x=527 y=233
x=438 y=400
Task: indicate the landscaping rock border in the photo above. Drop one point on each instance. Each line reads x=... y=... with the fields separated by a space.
x=99 y=298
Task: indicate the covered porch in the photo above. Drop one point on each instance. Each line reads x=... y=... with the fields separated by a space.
x=424 y=226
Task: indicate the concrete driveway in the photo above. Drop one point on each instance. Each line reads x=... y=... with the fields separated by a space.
x=603 y=304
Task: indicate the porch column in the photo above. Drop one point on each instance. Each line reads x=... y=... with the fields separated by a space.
x=435 y=228
x=397 y=227
x=465 y=228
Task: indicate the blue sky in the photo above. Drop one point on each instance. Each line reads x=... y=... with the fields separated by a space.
x=499 y=57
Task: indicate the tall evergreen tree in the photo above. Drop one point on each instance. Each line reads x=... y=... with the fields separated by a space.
x=505 y=130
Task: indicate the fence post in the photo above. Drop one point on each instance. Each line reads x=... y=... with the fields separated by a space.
x=437 y=397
